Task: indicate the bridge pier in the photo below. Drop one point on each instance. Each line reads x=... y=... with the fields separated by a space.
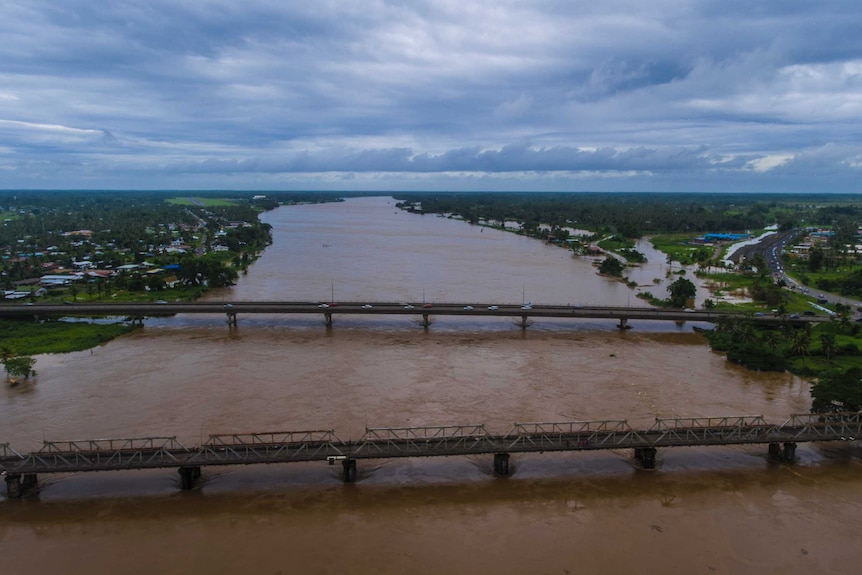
x=645 y=456
x=786 y=453
x=425 y=320
x=188 y=476
x=524 y=321
x=231 y=319
x=348 y=470
x=17 y=485
x=501 y=464
x=327 y=318
x=624 y=323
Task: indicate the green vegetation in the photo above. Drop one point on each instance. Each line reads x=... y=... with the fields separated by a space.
x=611 y=266
x=681 y=291
x=624 y=247
x=19 y=366
x=679 y=248
x=202 y=202
x=31 y=338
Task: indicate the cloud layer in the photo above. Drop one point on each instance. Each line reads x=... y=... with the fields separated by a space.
x=439 y=94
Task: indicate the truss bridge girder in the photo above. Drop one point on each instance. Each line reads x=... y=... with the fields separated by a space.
x=269 y=438
x=47 y=462
x=734 y=421
x=264 y=453
x=126 y=444
x=424 y=432
x=569 y=427
x=370 y=448
x=846 y=425
x=721 y=435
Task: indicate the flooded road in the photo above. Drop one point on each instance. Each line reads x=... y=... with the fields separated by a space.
x=718 y=510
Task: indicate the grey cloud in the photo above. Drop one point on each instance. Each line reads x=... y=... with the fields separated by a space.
x=492 y=88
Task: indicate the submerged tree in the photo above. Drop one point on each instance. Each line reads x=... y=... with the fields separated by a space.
x=18 y=366
x=681 y=291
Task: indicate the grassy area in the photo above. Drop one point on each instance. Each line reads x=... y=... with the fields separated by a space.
x=616 y=243
x=31 y=338
x=680 y=249
x=794 y=301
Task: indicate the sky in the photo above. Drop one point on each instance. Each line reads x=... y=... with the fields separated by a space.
x=546 y=95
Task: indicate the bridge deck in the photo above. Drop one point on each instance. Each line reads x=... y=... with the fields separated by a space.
x=381 y=443
x=371 y=308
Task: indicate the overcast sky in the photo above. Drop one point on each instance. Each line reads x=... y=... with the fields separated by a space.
x=631 y=95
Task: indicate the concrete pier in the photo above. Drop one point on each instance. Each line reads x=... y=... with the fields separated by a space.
x=188 y=477
x=18 y=485
x=501 y=464
x=785 y=452
x=348 y=470
x=645 y=456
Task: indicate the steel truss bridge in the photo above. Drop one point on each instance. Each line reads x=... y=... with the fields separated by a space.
x=21 y=470
x=422 y=311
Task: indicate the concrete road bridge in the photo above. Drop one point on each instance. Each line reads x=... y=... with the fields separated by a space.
x=21 y=470
x=423 y=311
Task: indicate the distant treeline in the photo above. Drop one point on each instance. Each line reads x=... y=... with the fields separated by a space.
x=635 y=214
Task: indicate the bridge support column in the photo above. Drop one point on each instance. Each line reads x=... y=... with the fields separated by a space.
x=29 y=481
x=524 y=322
x=188 y=476
x=327 y=317
x=231 y=319
x=14 y=488
x=17 y=485
x=348 y=470
x=645 y=456
x=501 y=464
x=624 y=323
x=425 y=321
x=786 y=453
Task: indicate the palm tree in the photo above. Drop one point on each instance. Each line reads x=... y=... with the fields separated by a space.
x=828 y=346
x=800 y=343
x=772 y=339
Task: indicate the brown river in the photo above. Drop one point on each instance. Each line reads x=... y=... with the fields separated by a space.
x=709 y=510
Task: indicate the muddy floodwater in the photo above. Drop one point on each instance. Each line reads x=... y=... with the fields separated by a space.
x=706 y=510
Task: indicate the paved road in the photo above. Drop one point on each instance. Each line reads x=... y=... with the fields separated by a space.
x=771 y=247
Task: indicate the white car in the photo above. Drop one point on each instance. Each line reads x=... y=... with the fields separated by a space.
x=493 y=307
x=408 y=306
x=526 y=306
x=367 y=306
x=468 y=307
